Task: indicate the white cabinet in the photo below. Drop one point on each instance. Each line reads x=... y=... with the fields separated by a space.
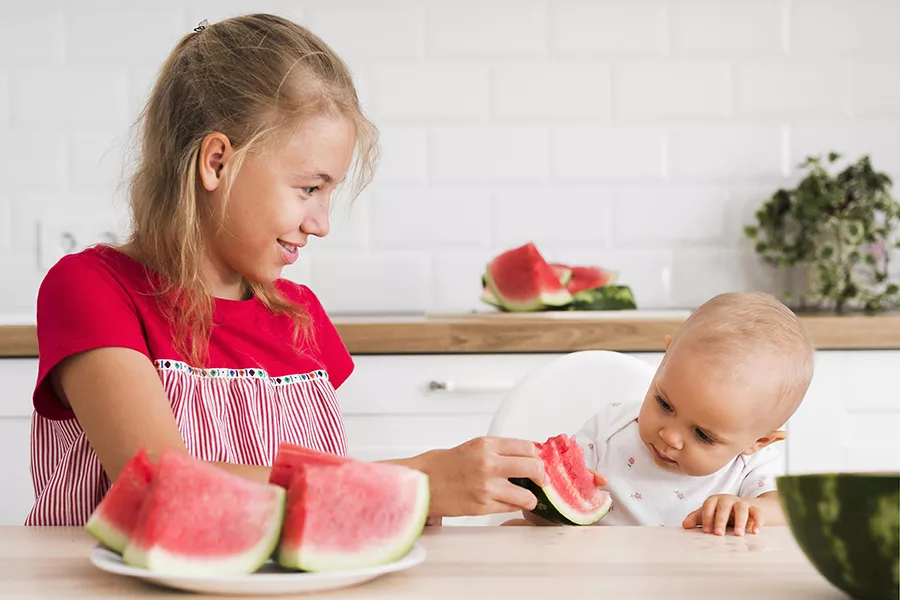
x=400 y=406
x=850 y=418
x=17 y=378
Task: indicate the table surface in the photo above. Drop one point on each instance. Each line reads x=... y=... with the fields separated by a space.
x=485 y=562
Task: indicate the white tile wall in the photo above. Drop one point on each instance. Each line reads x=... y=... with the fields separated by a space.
x=635 y=134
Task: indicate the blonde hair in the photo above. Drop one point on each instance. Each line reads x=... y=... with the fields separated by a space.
x=250 y=78
x=737 y=328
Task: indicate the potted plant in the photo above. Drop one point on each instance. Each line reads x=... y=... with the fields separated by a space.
x=833 y=235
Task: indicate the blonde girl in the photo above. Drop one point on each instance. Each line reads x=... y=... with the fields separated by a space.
x=186 y=336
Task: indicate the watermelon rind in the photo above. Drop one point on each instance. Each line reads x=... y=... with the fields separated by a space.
x=488 y=297
x=163 y=561
x=306 y=557
x=608 y=297
x=848 y=526
x=551 y=507
x=106 y=533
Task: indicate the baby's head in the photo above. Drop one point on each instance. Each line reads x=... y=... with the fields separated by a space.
x=732 y=375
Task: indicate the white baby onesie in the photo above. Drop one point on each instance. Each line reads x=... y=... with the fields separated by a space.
x=646 y=494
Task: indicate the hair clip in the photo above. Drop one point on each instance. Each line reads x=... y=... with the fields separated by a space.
x=203 y=25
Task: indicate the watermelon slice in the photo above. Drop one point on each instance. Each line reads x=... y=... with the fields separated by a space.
x=571 y=497
x=523 y=281
x=113 y=519
x=588 y=278
x=352 y=515
x=291 y=457
x=198 y=519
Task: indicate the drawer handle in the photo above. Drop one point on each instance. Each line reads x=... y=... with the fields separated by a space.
x=469 y=386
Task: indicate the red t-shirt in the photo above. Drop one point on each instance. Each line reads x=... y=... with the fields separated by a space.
x=256 y=391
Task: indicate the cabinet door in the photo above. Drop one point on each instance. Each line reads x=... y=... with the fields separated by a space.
x=850 y=418
x=17 y=377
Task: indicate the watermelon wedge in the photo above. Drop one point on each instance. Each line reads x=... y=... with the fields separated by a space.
x=571 y=497
x=114 y=518
x=352 y=515
x=291 y=457
x=198 y=519
x=523 y=281
x=588 y=278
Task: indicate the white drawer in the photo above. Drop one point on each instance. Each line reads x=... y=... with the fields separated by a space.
x=434 y=384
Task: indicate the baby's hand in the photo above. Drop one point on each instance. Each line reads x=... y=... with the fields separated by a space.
x=724 y=509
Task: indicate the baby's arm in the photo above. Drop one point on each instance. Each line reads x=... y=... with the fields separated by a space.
x=755 y=505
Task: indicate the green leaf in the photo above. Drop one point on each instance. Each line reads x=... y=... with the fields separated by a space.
x=827 y=252
x=761 y=247
x=751 y=232
x=870 y=260
x=892 y=289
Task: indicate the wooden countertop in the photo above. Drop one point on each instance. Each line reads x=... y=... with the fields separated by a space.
x=632 y=563
x=630 y=331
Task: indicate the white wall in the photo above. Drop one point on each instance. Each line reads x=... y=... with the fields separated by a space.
x=635 y=134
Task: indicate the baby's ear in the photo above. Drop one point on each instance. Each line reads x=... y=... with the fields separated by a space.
x=775 y=436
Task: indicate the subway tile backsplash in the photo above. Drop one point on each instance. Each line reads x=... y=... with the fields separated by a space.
x=639 y=135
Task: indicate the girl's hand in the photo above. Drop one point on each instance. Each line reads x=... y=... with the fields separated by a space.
x=721 y=510
x=473 y=478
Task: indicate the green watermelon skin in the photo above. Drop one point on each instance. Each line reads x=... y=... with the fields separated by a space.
x=848 y=526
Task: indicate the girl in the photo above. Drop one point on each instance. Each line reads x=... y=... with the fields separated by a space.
x=186 y=336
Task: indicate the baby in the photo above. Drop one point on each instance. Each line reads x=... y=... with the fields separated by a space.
x=700 y=450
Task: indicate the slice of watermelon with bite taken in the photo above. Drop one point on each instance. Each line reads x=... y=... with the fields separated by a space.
x=571 y=496
x=112 y=521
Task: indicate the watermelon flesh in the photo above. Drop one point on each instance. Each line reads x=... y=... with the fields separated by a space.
x=523 y=281
x=352 y=515
x=198 y=519
x=571 y=497
x=112 y=521
x=290 y=457
x=588 y=278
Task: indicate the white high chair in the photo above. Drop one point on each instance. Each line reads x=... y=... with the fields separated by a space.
x=560 y=396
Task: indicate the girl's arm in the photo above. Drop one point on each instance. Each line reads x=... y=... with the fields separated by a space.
x=122 y=407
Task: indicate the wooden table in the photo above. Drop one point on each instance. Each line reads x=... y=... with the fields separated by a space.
x=496 y=562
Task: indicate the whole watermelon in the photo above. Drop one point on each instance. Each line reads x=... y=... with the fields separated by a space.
x=848 y=525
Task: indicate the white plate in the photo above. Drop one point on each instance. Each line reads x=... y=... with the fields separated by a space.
x=269 y=580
